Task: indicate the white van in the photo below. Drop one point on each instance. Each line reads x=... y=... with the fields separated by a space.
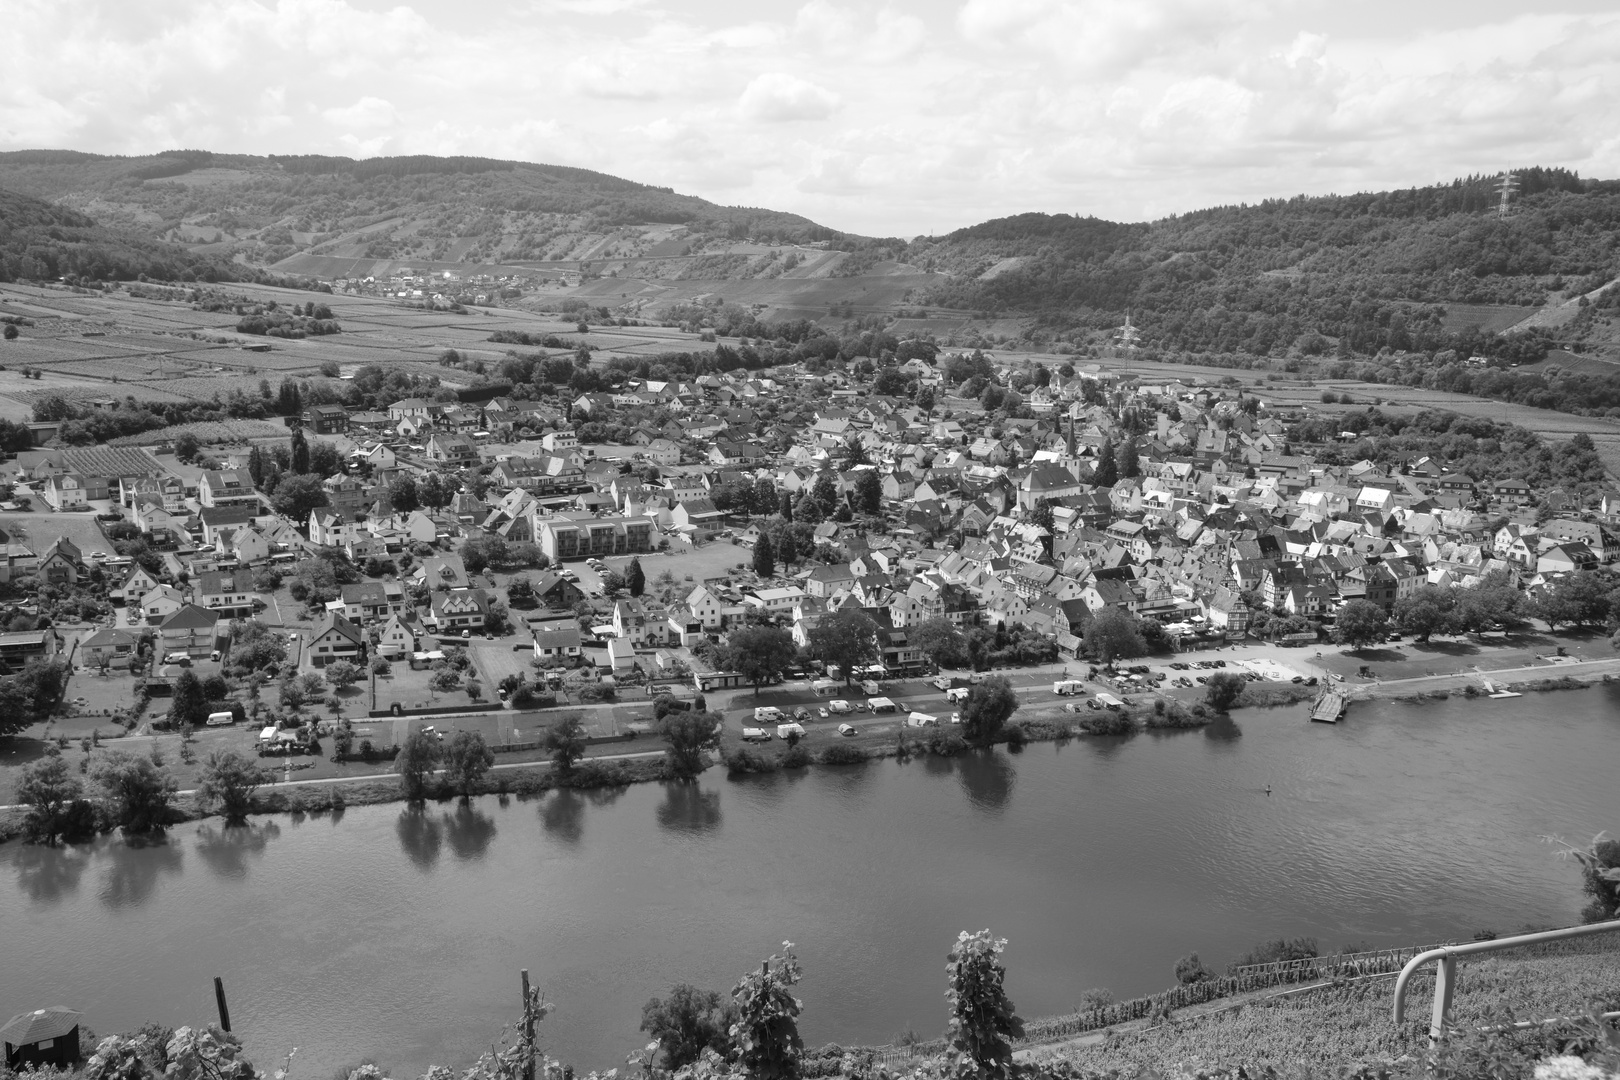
x=756 y=734
x=221 y=719
x=1068 y=686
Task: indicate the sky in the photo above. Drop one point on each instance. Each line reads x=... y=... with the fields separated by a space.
x=885 y=119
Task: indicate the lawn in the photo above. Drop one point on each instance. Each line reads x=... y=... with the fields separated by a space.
x=38 y=530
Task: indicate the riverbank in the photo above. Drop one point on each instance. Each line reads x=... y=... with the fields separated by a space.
x=1045 y=722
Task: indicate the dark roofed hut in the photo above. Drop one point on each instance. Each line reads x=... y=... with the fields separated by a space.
x=44 y=1038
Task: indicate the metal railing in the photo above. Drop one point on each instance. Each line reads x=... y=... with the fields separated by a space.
x=1445 y=985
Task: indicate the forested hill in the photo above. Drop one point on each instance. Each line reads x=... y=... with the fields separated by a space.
x=1372 y=270
x=437 y=208
x=41 y=240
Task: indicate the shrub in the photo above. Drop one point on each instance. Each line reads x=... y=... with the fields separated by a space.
x=1273 y=952
x=744 y=761
x=795 y=757
x=843 y=754
x=1107 y=722
x=1190 y=969
x=943 y=743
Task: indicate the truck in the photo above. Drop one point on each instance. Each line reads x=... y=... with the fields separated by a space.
x=1065 y=687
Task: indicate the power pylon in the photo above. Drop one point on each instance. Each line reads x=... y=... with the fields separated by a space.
x=1506 y=186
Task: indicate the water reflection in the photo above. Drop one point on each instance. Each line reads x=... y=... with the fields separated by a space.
x=470 y=830
x=987 y=777
x=133 y=868
x=688 y=808
x=562 y=814
x=420 y=836
x=1224 y=730
x=226 y=847
x=47 y=874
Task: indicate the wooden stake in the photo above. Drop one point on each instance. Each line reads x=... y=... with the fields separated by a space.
x=528 y=1029
x=219 y=998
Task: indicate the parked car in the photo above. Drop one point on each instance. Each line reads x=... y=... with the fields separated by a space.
x=177 y=658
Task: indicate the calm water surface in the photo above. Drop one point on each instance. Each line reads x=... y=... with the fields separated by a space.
x=398 y=935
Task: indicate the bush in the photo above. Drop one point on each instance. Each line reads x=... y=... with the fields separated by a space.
x=943 y=743
x=1273 y=952
x=744 y=761
x=1107 y=722
x=1190 y=969
x=843 y=754
x=795 y=757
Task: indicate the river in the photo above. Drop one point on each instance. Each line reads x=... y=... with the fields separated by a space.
x=398 y=935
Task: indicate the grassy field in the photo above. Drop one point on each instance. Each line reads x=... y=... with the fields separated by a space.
x=38 y=530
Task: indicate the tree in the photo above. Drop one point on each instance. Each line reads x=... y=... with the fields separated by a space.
x=481 y=552
x=1040 y=515
x=186 y=447
x=189 y=706
x=324 y=460
x=300 y=452
x=342 y=673
x=1222 y=689
x=296 y=496
x=415 y=764
x=49 y=791
x=688 y=1022
x=687 y=735
x=855 y=453
x=612 y=584
x=787 y=550
x=1106 y=472
x=1600 y=876
x=868 y=494
x=807 y=510
x=766 y=1031
x=139 y=792
x=1128 y=465
x=229 y=780
x=759 y=653
x=940 y=641
x=983 y=1021
x=1190 y=969
x=10 y=332
x=402 y=494
x=986 y=710
x=1115 y=634
x=825 y=492
x=1426 y=612
x=848 y=639
x=1361 y=623
x=566 y=741
x=785 y=508
x=467 y=760
x=635 y=578
x=764 y=557
x=520 y=592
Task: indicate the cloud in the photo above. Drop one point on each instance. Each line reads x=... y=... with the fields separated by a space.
x=368 y=112
x=777 y=97
x=586 y=7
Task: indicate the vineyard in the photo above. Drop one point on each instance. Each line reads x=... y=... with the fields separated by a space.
x=207 y=431
x=110 y=462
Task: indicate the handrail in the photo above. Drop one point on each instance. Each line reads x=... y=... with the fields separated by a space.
x=1445 y=986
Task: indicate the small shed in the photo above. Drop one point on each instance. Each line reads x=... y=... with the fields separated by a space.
x=44 y=1038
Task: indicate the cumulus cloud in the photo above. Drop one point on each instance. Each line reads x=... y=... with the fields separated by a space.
x=896 y=117
x=777 y=96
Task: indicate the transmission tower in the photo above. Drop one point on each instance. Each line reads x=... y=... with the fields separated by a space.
x=1128 y=334
x=1506 y=185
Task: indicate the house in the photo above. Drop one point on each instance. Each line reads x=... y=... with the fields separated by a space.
x=364 y=601
x=621 y=654
x=381 y=456
x=706 y=608
x=71 y=491
x=108 y=647
x=1565 y=558
x=171 y=490
x=137 y=583
x=221 y=488
x=327 y=419
x=60 y=563
x=249 y=545
x=458 y=610
x=160 y=602
x=349 y=497
x=455 y=450
x=662 y=452
x=396 y=638
x=191 y=630
x=631 y=623
x=328 y=529
x=414 y=409
x=557 y=641
x=555 y=591
x=46 y=1040
x=826 y=580
x=569 y=537
x=20 y=646
x=442 y=572
x=229 y=594
x=234 y=516
x=335 y=638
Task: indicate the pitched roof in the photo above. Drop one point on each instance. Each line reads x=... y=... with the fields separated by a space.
x=28 y=1028
x=332 y=622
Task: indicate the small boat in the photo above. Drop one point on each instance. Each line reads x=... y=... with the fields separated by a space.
x=1492 y=692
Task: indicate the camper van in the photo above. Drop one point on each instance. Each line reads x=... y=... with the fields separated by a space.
x=766 y=714
x=756 y=734
x=881 y=705
x=1065 y=687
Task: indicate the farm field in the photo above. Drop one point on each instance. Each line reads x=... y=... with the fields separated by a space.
x=39 y=530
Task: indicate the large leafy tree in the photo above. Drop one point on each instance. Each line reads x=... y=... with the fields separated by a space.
x=1115 y=634
x=687 y=735
x=138 y=791
x=940 y=641
x=228 y=781
x=847 y=638
x=565 y=740
x=1222 y=690
x=1428 y=611
x=300 y=452
x=868 y=495
x=49 y=790
x=189 y=705
x=825 y=492
x=1361 y=623
x=296 y=496
x=986 y=710
x=415 y=764
x=402 y=494
x=467 y=760
x=760 y=653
